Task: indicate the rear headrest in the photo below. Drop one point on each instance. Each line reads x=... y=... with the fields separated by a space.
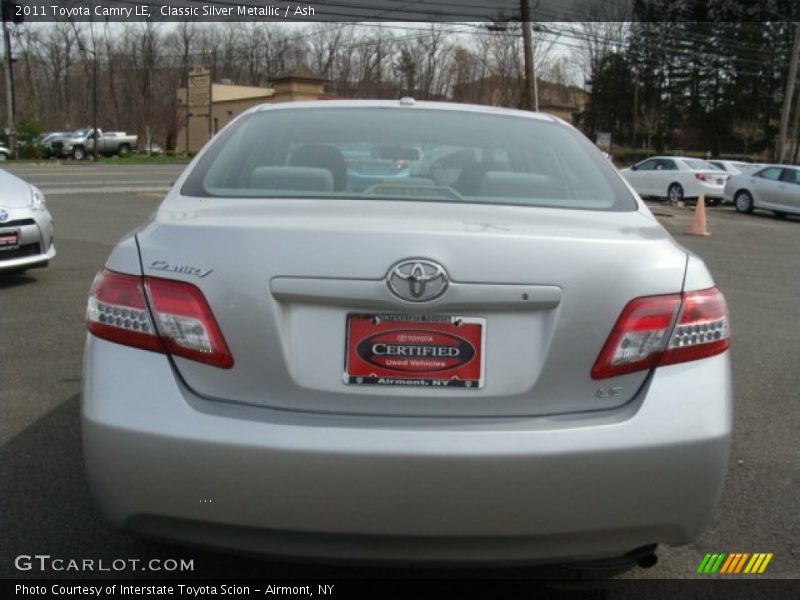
x=307 y=179
x=324 y=157
x=510 y=184
x=469 y=180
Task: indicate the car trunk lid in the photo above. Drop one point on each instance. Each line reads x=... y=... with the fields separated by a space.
x=286 y=280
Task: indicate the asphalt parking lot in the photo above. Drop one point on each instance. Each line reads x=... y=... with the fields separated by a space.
x=44 y=503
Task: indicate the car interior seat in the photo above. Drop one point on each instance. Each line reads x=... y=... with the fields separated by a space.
x=322 y=156
x=469 y=180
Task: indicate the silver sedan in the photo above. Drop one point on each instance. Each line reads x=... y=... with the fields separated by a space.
x=502 y=357
x=772 y=187
x=26 y=227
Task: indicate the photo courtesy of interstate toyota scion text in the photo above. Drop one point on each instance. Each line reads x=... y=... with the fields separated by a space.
x=407 y=331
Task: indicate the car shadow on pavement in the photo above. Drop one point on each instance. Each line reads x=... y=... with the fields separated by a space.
x=46 y=508
x=10 y=280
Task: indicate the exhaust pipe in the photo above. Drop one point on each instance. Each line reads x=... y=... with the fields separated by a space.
x=648 y=561
x=644 y=557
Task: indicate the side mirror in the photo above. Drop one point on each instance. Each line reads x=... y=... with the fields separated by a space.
x=634 y=167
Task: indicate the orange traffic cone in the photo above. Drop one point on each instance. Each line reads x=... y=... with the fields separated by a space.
x=699 y=222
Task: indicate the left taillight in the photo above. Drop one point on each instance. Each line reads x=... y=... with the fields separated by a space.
x=181 y=322
x=117 y=311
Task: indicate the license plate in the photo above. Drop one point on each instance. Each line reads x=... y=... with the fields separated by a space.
x=441 y=351
x=9 y=240
x=720 y=181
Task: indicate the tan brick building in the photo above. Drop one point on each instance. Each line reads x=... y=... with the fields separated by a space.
x=229 y=101
x=564 y=101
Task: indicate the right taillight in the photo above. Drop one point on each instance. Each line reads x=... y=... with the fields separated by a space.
x=664 y=330
x=702 y=329
x=184 y=324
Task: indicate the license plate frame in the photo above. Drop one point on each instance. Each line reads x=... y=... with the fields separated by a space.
x=420 y=350
x=6 y=246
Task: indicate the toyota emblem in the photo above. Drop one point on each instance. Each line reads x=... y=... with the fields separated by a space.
x=417 y=280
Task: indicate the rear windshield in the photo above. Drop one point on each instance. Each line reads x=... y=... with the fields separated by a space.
x=382 y=153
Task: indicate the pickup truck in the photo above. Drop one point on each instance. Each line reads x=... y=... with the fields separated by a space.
x=80 y=144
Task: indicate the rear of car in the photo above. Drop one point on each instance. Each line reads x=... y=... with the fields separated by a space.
x=677 y=178
x=506 y=360
x=26 y=227
x=707 y=180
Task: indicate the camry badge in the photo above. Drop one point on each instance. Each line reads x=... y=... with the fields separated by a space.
x=162 y=265
x=417 y=280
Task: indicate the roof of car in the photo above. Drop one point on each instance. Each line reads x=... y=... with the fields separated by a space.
x=765 y=165
x=407 y=103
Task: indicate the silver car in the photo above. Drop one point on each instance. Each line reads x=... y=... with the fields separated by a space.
x=772 y=187
x=514 y=364
x=26 y=227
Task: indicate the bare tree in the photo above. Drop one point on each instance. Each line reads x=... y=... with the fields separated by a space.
x=605 y=30
x=27 y=38
x=323 y=44
x=748 y=131
x=140 y=67
x=649 y=122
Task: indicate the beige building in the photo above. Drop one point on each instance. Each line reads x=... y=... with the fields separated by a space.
x=565 y=101
x=229 y=101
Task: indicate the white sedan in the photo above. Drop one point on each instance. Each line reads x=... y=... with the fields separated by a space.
x=677 y=178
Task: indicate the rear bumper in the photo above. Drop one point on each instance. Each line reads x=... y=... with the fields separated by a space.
x=165 y=463
x=709 y=191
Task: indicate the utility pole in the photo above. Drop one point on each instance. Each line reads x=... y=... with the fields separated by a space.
x=94 y=91
x=537 y=28
x=8 y=74
x=531 y=100
x=787 y=96
x=212 y=69
x=796 y=130
x=378 y=91
x=188 y=112
x=635 y=104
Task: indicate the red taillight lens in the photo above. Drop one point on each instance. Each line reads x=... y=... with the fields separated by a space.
x=185 y=325
x=117 y=311
x=638 y=337
x=647 y=333
x=702 y=329
x=703 y=176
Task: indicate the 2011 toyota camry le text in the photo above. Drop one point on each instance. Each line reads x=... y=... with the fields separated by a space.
x=396 y=330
